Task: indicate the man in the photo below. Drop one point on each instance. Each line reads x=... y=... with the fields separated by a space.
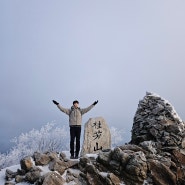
x=75 y=121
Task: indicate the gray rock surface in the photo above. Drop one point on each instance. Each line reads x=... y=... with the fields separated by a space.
x=96 y=136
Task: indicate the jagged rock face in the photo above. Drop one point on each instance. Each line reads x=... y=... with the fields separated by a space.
x=156 y=120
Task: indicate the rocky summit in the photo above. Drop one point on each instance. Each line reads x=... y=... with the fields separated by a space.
x=154 y=156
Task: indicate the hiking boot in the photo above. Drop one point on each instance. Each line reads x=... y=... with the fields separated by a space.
x=72 y=157
x=76 y=157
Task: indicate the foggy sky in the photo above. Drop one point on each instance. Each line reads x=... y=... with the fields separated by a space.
x=111 y=51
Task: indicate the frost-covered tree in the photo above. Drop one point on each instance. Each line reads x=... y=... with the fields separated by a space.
x=117 y=136
x=48 y=138
x=2 y=160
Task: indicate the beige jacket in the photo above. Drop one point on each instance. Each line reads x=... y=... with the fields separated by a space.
x=75 y=114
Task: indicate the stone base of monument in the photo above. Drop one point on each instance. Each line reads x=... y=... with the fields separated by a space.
x=97 y=136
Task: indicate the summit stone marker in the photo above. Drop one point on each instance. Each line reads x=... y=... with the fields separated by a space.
x=97 y=136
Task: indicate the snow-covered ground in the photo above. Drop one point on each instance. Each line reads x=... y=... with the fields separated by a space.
x=14 y=168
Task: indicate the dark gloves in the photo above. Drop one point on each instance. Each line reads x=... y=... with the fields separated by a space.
x=55 y=102
x=95 y=102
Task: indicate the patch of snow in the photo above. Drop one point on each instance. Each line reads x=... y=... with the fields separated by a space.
x=64 y=175
x=45 y=169
x=103 y=174
x=92 y=155
x=74 y=171
x=67 y=153
x=32 y=161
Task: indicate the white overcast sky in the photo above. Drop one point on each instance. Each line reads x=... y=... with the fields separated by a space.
x=111 y=51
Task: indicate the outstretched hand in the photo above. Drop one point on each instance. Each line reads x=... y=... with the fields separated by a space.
x=95 y=102
x=55 y=102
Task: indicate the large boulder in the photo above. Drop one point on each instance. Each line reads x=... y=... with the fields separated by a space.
x=61 y=165
x=53 y=178
x=41 y=159
x=97 y=136
x=26 y=163
x=33 y=175
x=136 y=168
x=9 y=174
x=161 y=174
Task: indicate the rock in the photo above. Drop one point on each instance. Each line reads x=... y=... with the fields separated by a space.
x=41 y=159
x=63 y=156
x=132 y=147
x=83 y=163
x=183 y=143
x=125 y=157
x=92 y=175
x=9 y=183
x=136 y=168
x=57 y=165
x=114 y=179
x=117 y=154
x=179 y=157
x=161 y=174
x=19 y=178
x=33 y=175
x=104 y=157
x=26 y=163
x=53 y=178
x=72 y=175
x=9 y=175
x=61 y=166
x=82 y=179
x=149 y=146
x=21 y=172
x=115 y=165
x=52 y=155
x=96 y=136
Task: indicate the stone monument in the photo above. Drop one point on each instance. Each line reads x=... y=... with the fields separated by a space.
x=96 y=136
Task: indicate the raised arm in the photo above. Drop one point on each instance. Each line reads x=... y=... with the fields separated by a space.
x=66 y=111
x=83 y=111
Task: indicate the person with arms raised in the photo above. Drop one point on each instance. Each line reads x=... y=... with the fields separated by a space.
x=75 y=121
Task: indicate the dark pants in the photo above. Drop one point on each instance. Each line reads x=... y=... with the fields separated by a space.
x=75 y=132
